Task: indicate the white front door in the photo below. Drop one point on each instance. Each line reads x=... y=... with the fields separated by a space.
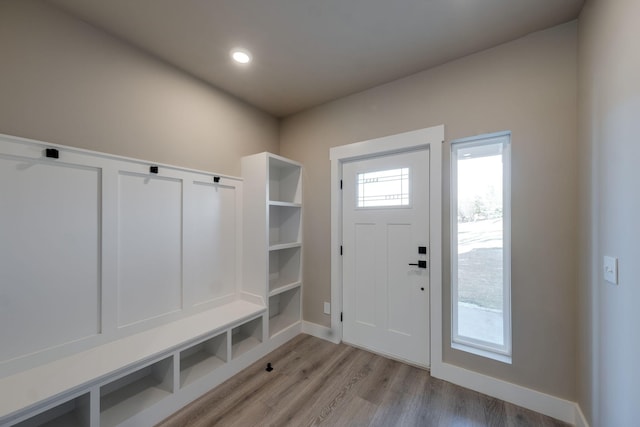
x=386 y=255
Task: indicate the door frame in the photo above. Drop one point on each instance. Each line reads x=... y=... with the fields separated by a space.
x=431 y=139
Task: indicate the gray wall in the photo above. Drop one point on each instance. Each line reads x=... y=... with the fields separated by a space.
x=65 y=82
x=609 y=117
x=527 y=86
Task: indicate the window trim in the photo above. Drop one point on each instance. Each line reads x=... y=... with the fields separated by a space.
x=482 y=348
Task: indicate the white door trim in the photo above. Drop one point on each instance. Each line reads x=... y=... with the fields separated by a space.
x=431 y=139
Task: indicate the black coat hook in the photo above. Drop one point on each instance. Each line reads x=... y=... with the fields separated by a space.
x=51 y=153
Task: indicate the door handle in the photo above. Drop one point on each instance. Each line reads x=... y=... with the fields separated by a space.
x=420 y=264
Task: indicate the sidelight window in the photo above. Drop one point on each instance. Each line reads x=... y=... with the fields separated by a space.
x=480 y=246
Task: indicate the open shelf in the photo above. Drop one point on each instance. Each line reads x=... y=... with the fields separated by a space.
x=287 y=204
x=284 y=310
x=135 y=392
x=246 y=337
x=284 y=224
x=284 y=288
x=284 y=181
x=73 y=413
x=202 y=359
x=284 y=267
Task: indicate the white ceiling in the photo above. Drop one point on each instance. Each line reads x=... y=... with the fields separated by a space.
x=307 y=52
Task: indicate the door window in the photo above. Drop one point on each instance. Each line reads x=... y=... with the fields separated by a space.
x=383 y=188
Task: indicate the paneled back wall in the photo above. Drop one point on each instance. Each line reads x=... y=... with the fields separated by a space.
x=95 y=247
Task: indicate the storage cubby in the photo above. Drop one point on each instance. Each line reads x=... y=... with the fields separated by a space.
x=284 y=268
x=202 y=359
x=73 y=413
x=284 y=224
x=246 y=337
x=284 y=181
x=284 y=310
x=125 y=397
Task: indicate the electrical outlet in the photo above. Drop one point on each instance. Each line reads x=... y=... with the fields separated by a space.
x=327 y=308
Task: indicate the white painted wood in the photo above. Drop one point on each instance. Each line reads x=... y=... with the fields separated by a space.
x=255 y=231
x=168 y=262
x=149 y=247
x=246 y=337
x=197 y=361
x=284 y=310
x=386 y=300
x=88 y=282
x=82 y=369
x=210 y=243
x=284 y=268
x=285 y=180
x=285 y=288
x=198 y=388
x=74 y=412
x=284 y=224
x=581 y=420
x=273 y=266
x=49 y=254
x=319 y=331
x=123 y=398
x=430 y=138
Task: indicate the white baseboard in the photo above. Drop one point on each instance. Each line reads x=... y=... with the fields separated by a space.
x=320 y=331
x=555 y=407
x=581 y=421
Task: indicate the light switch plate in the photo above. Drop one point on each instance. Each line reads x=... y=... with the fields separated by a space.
x=610 y=269
x=327 y=308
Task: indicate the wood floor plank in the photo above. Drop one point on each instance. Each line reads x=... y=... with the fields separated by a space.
x=317 y=383
x=378 y=382
x=320 y=396
x=494 y=411
x=354 y=412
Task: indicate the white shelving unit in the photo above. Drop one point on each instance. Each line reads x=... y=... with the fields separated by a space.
x=158 y=380
x=273 y=209
x=233 y=283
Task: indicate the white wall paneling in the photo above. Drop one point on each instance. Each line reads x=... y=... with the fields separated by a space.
x=123 y=296
x=95 y=247
x=211 y=267
x=149 y=246
x=49 y=254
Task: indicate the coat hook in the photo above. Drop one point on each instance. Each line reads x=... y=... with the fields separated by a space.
x=51 y=153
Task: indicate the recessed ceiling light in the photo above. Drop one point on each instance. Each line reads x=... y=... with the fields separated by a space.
x=241 y=56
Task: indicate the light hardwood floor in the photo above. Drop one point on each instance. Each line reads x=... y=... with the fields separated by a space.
x=315 y=382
